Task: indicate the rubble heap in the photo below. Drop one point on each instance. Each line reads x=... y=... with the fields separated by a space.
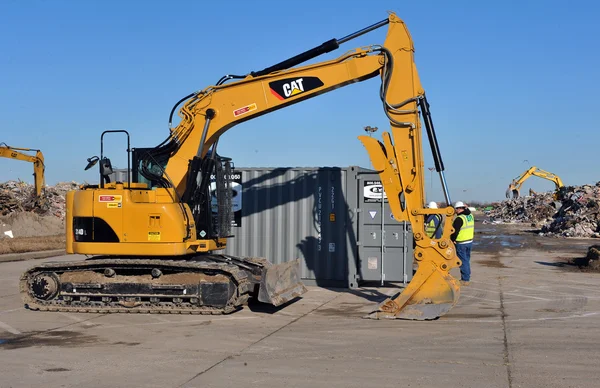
x=535 y=210
x=18 y=196
x=574 y=213
x=579 y=214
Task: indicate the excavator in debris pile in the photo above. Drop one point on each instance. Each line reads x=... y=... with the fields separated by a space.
x=515 y=186
x=153 y=242
x=7 y=151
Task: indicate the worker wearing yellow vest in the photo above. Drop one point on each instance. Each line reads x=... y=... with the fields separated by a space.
x=464 y=231
x=433 y=223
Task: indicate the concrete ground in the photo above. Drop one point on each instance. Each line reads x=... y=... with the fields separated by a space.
x=526 y=321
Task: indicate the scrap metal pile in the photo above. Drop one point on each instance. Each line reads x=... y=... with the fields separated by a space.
x=18 y=196
x=574 y=213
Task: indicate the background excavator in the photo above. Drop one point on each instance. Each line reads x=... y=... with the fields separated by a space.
x=37 y=160
x=154 y=240
x=515 y=186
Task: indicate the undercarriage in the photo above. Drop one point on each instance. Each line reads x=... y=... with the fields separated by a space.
x=203 y=284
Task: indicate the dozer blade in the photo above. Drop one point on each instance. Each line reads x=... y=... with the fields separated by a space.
x=280 y=283
x=431 y=293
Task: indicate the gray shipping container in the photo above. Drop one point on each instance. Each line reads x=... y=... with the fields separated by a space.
x=332 y=218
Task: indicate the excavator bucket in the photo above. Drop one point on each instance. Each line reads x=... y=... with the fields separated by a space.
x=431 y=293
x=280 y=283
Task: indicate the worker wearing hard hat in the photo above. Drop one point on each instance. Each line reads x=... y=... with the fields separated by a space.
x=464 y=231
x=433 y=222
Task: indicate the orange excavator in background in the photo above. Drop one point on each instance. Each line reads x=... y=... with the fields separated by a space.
x=154 y=240
x=37 y=160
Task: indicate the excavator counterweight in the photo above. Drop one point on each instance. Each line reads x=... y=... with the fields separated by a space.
x=154 y=240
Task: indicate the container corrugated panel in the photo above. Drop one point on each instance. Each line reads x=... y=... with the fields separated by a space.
x=289 y=213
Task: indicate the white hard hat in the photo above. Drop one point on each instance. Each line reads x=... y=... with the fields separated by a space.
x=459 y=204
x=432 y=205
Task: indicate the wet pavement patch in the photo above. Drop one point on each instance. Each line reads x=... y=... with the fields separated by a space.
x=492 y=263
x=343 y=309
x=554 y=310
x=126 y=343
x=60 y=338
x=490 y=243
x=57 y=370
x=472 y=316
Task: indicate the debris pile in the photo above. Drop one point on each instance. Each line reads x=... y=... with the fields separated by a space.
x=18 y=196
x=535 y=210
x=574 y=213
x=579 y=214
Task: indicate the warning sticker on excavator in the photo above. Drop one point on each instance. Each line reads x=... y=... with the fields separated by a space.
x=244 y=110
x=113 y=205
x=110 y=198
x=153 y=236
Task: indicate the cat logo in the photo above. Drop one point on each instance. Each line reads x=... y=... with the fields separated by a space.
x=293 y=88
x=290 y=87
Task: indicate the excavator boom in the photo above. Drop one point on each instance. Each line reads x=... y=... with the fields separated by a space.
x=178 y=220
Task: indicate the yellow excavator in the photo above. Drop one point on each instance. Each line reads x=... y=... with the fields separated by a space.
x=154 y=240
x=515 y=186
x=37 y=160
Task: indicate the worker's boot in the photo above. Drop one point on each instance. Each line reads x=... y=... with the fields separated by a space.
x=464 y=282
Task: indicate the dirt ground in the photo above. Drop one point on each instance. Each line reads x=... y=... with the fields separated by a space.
x=31 y=244
x=27 y=224
x=30 y=232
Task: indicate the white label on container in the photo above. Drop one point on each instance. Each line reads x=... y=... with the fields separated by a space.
x=372 y=262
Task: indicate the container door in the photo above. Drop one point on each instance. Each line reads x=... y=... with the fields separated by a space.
x=386 y=245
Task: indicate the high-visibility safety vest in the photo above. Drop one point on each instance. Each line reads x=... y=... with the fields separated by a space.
x=467 y=232
x=430 y=228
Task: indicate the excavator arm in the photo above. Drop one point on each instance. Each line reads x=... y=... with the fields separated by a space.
x=515 y=186
x=207 y=114
x=37 y=160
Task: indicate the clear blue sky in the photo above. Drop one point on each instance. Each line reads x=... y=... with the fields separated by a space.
x=511 y=83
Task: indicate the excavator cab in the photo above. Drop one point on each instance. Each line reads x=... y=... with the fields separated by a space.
x=105 y=167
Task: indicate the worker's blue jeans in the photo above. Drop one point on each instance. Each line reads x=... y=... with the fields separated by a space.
x=464 y=254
